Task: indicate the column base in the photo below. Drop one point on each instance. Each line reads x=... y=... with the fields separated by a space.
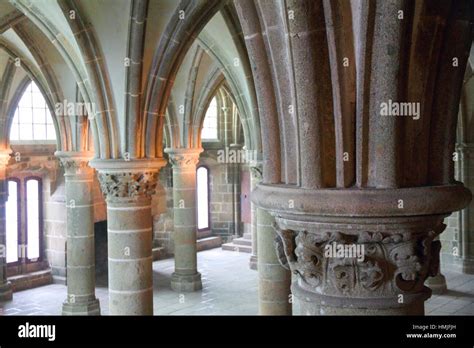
x=90 y=308
x=253 y=262
x=186 y=283
x=6 y=292
x=437 y=284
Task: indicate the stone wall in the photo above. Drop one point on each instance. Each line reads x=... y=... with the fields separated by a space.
x=222 y=202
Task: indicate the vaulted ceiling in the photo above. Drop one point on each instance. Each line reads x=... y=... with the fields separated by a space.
x=109 y=53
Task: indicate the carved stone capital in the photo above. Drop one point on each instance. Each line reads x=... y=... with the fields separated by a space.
x=75 y=163
x=183 y=158
x=128 y=184
x=134 y=179
x=379 y=260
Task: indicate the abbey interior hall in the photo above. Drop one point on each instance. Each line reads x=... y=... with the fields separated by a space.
x=236 y=157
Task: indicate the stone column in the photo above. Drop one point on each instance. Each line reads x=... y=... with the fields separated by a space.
x=233 y=177
x=255 y=178
x=5 y=285
x=128 y=187
x=273 y=280
x=342 y=174
x=374 y=259
x=464 y=255
x=186 y=276
x=80 y=256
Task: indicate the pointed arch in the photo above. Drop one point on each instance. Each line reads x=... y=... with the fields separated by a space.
x=51 y=97
x=174 y=44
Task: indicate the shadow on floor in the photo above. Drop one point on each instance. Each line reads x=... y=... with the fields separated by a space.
x=455 y=293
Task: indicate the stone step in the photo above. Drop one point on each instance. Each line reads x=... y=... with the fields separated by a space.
x=158 y=253
x=237 y=247
x=209 y=243
x=204 y=234
x=31 y=280
x=242 y=241
x=57 y=279
x=247 y=235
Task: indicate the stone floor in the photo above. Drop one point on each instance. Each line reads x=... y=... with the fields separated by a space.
x=459 y=300
x=230 y=288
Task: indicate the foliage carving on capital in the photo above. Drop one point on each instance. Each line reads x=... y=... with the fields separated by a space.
x=76 y=166
x=393 y=262
x=182 y=160
x=128 y=185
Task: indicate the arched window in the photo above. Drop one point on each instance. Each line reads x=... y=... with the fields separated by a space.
x=32 y=119
x=24 y=228
x=210 y=124
x=202 y=183
x=33 y=218
x=12 y=207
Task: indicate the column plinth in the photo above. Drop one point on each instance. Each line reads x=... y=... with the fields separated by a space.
x=186 y=277
x=358 y=253
x=128 y=187
x=437 y=284
x=6 y=293
x=80 y=257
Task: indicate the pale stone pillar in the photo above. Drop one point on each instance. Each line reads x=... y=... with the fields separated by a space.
x=465 y=253
x=5 y=285
x=128 y=187
x=186 y=276
x=233 y=176
x=255 y=178
x=274 y=281
x=80 y=256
